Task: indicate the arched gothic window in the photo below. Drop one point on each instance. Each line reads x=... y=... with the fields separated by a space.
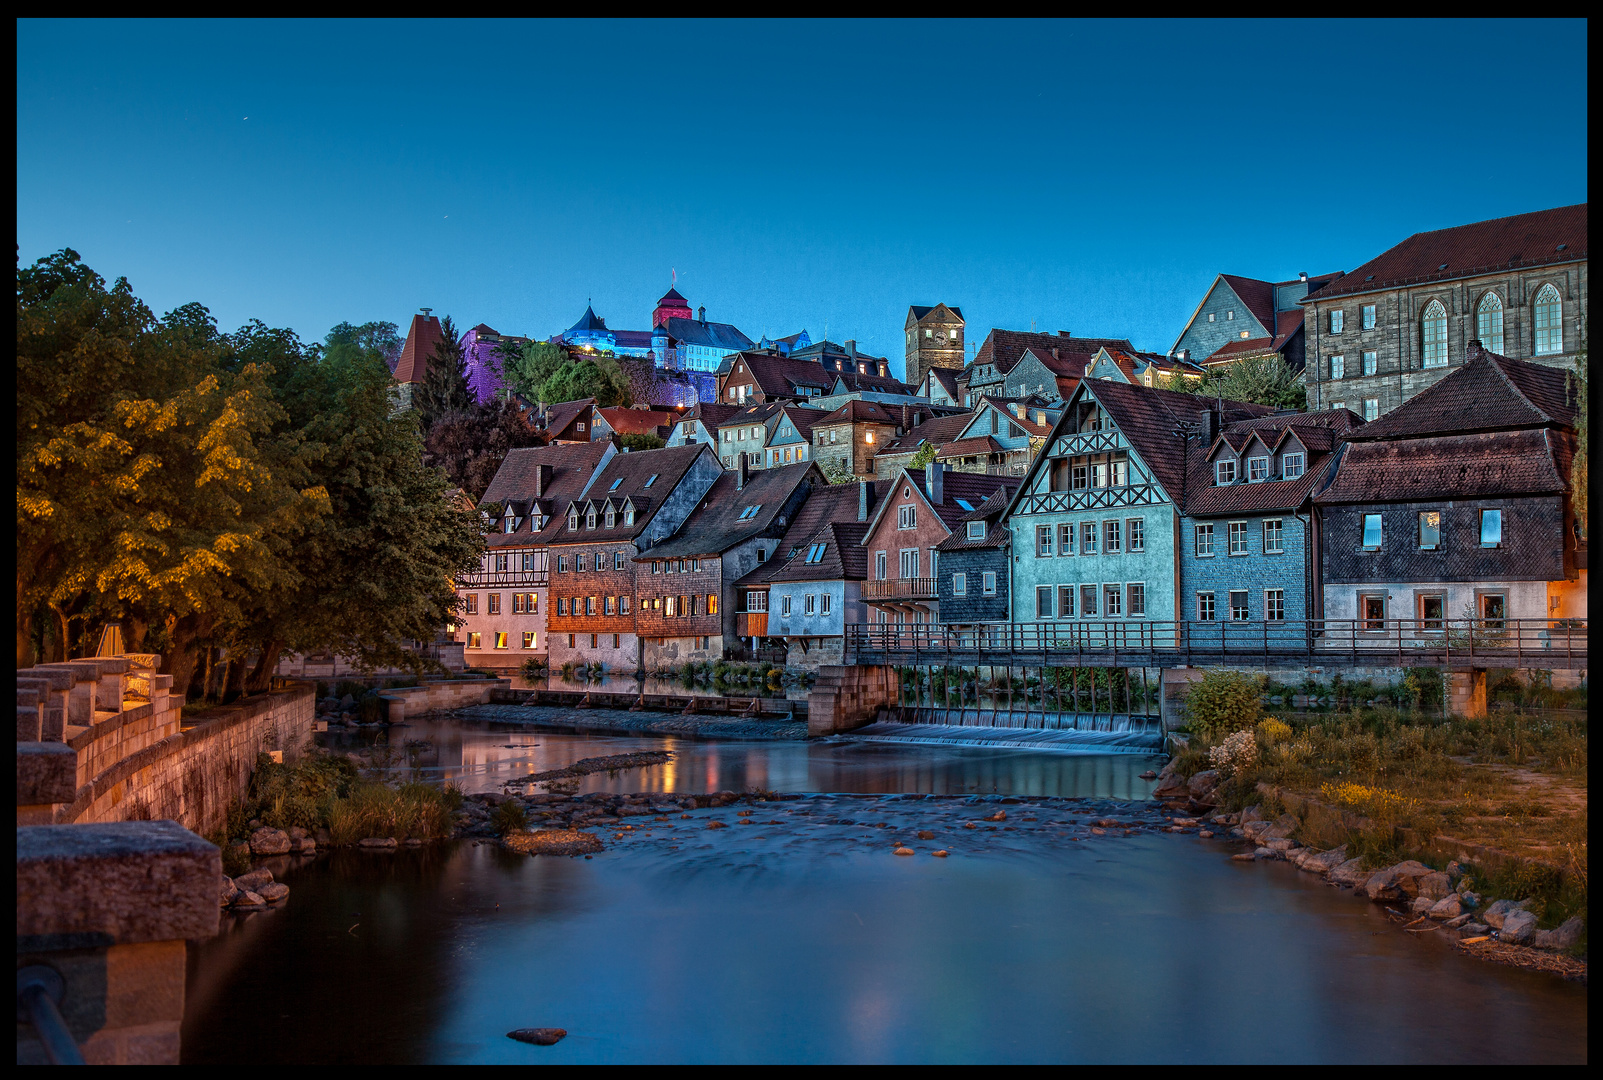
x=1489 y=322
x=1549 y=322
x=1433 y=334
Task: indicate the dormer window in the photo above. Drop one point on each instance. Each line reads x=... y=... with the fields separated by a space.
x=511 y=524
x=1224 y=472
x=573 y=520
x=590 y=518
x=612 y=517
x=1257 y=469
x=1291 y=466
x=629 y=515
x=579 y=426
x=976 y=530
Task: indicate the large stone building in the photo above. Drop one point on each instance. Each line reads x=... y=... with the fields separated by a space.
x=934 y=340
x=1403 y=320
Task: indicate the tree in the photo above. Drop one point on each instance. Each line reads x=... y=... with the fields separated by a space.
x=379 y=339
x=524 y=370
x=600 y=378
x=926 y=454
x=445 y=383
x=837 y=471
x=1265 y=380
x=642 y=441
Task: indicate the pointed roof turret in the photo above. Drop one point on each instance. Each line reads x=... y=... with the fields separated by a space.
x=421 y=338
x=588 y=321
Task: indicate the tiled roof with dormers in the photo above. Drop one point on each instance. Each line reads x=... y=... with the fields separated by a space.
x=1002 y=349
x=571 y=464
x=859 y=412
x=662 y=469
x=938 y=431
x=826 y=506
x=1148 y=418
x=1489 y=393
x=718 y=524
x=1480 y=465
x=990 y=512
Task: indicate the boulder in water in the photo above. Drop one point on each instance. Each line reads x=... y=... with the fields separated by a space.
x=539 y=1036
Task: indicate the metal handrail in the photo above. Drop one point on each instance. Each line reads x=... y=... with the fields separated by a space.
x=39 y=990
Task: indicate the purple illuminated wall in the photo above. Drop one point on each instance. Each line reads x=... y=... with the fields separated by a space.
x=484 y=366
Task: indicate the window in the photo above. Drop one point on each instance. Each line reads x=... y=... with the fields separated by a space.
x=1043 y=601
x=562 y=605
x=1137 y=597
x=1087 y=538
x=756 y=601
x=1229 y=316
x=815 y=553
x=1111 y=595
x=1367 y=318
x=589 y=605
x=1372 y=612
x=879 y=566
x=1371 y=408
x=1043 y=541
x=1210 y=316
x=1112 y=536
x=976 y=530
x=1371 y=532
x=579 y=426
x=629 y=514
x=528 y=639
x=1430 y=530
x=1489 y=322
x=601 y=561
x=1065 y=601
x=907 y=566
x=475 y=640
x=611 y=605
x=656 y=566
x=670 y=606
x=988 y=583
x=1066 y=539
x=959 y=584
x=473 y=604
x=823 y=605
x=517 y=603
x=1432 y=607
x=612 y=518
x=1491 y=528
x=652 y=479
x=590 y=518
x=1273 y=538
x=1549 y=322
x=1238 y=538
x=1081 y=477
x=1205 y=606
x=809 y=603
x=1336 y=318
x=1494 y=609
x=1088 y=601
x=1257 y=469
x=1371 y=362
x=579 y=564
x=1433 y=335
x=573 y=520
x=1238 y=605
x=617 y=560
x=492 y=603
x=1274 y=605
x=1338 y=364
x=907 y=517
x=1204 y=545
x=1338 y=404
x=1224 y=472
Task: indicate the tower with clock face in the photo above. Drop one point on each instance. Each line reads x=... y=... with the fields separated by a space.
x=934 y=340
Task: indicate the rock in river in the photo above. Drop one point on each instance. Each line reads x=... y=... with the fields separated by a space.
x=254 y=880
x=1518 y=927
x=267 y=841
x=539 y=1036
x=1400 y=882
x=1351 y=873
x=1448 y=908
x=273 y=892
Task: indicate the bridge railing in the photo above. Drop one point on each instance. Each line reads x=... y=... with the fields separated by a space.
x=1404 y=641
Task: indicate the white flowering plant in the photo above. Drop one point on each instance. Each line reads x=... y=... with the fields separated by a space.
x=1239 y=751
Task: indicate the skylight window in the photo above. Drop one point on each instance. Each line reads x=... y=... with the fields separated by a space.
x=750 y=512
x=652 y=479
x=816 y=553
x=965 y=504
x=615 y=484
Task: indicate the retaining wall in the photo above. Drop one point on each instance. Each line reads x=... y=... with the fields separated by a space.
x=844 y=698
x=404 y=701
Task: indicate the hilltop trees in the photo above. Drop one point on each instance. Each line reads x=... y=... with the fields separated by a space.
x=1265 y=380
x=544 y=372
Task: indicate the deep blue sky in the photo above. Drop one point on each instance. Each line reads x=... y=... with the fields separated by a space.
x=1087 y=176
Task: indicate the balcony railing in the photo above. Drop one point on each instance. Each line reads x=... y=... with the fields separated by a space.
x=918 y=588
x=483 y=579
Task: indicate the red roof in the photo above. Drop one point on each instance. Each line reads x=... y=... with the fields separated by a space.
x=1259 y=296
x=1485 y=464
x=1541 y=238
x=637 y=421
x=983 y=444
x=421 y=338
x=1003 y=348
x=1489 y=393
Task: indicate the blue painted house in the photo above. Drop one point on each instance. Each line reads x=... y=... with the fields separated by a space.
x=972 y=581
x=1249 y=550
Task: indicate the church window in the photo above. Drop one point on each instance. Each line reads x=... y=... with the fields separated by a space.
x=1549 y=322
x=1433 y=335
x=1489 y=322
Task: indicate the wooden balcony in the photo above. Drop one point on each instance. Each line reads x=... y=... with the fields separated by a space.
x=919 y=588
x=751 y=624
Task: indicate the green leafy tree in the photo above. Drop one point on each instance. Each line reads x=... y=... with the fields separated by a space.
x=642 y=441
x=837 y=471
x=598 y=377
x=380 y=339
x=1264 y=380
x=445 y=384
x=470 y=444
x=926 y=454
x=1223 y=701
x=525 y=369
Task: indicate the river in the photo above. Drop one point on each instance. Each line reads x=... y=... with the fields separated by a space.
x=790 y=945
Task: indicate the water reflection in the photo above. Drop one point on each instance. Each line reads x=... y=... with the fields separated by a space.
x=479 y=756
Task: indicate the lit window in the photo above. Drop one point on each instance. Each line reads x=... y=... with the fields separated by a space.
x=1433 y=335
x=1224 y=472
x=1371 y=363
x=1430 y=530
x=475 y=641
x=1238 y=605
x=1491 y=528
x=1257 y=469
x=1205 y=606
x=1372 y=612
x=1367 y=320
x=1273 y=542
x=612 y=605
x=1549 y=322
x=1204 y=543
x=528 y=639
x=1371 y=532
x=1291 y=466
x=1274 y=605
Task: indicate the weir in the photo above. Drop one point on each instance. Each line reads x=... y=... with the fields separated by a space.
x=1127 y=739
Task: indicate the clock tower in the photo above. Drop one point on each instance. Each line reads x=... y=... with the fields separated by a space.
x=934 y=340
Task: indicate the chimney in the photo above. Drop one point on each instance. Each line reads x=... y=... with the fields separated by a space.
x=1184 y=354
x=542 y=480
x=906 y=427
x=1055 y=355
x=1302 y=276
x=933 y=472
x=701 y=314
x=740 y=470
x=851 y=348
x=1064 y=333
x=1205 y=428
x=862 y=500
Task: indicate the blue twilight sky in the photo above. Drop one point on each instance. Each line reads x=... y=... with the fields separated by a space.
x=1083 y=176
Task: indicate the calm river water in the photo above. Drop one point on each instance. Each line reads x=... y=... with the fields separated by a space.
x=1141 y=948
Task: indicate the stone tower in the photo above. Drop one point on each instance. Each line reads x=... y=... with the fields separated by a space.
x=934 y=340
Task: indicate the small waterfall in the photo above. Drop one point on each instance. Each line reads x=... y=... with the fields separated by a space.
x=1035 y=720
x=1108 y=739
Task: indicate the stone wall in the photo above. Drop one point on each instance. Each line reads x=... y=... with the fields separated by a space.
x=439 y=696
x=844 y=698
x=193 y=777
x=121 y=736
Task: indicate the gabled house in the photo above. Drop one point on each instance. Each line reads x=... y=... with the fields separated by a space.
x=1013 y=363
x=638 y=500
x=811 y=586
x=940 y=386
x=893 y=457
x=914 y=519
x=686 y=584
x=790 y=435
x=1458 y=504
x=700 y=423
x=848 y=437
x=934 y=340
x=620 y=421
x=997 y=438
x=1249 y=550
x=743 y=434
x=567 y=421
x=1242 y=317
x=1095 y=519
x=972 y=585
x=757 y=378
x=505 y=602
x=1141 y=368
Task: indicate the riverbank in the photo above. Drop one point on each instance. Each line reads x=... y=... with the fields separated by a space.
x=626 y=722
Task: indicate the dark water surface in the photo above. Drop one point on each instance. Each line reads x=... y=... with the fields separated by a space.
x=729 y=947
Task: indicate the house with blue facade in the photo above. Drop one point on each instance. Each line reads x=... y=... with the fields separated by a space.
x=1242 y=317
x=1250 y=549
x=675 y=342
x=1096 y=519
x=972 y=580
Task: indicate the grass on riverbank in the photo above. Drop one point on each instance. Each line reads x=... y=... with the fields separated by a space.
x=1513 y=781
x=327 y=791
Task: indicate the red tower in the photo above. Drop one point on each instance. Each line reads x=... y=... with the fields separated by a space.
x=671 y=306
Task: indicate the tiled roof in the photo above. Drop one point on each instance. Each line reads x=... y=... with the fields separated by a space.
x=1337 y=420
x=1148 y=416
x=1484 y=247
x=973 y=488
x=802 y=419
x=919 y=311
x=1259 y=296
x=668 y=464
x=563 y=413
x=983 y=444
x=671 y=298
x=421 y=338
x=1453 y=466
x=710 y=413
x=947 y=378
x=637 y=421
x=990 y=511
x=856 y=381
x=939 y=431
x=752 y=414
x=1003 y=348
x=588 y=321
x=834 y=504
x=1489 y=393
x=859 y=411
x=716 y=525
x=1203 y=499
x=715 y=335
x=780 y=376
x=572 y=465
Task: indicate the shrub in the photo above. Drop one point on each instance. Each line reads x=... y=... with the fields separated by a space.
x=1236 y=754
x=1271 y=731
x=533 y=668
x=509 y=817
x=1223 y=701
